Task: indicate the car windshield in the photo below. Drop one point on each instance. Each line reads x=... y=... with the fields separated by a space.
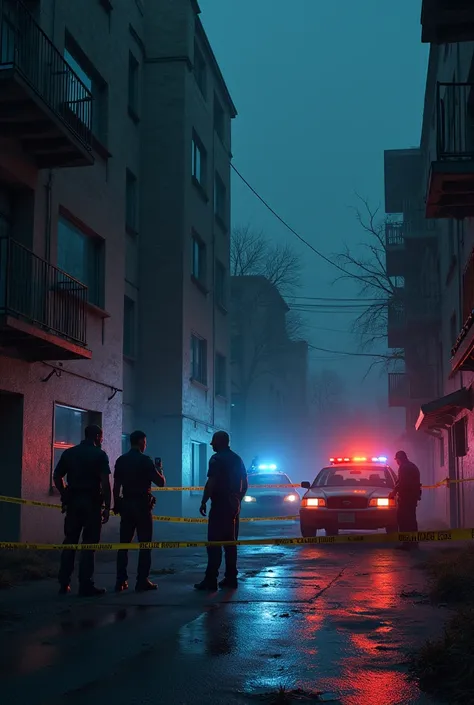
x=267 y=478
x=360 y=476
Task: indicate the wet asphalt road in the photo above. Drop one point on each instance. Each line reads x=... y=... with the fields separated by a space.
x=328 y=619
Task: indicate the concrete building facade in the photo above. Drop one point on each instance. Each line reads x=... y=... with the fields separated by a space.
x=103 y=195
x=440 y=426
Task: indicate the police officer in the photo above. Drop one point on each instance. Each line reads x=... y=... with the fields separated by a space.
x=226 y=486
x=86 y=502
x=408 y=489
x=134 y=473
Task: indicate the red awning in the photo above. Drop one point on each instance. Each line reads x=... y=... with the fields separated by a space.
x=441 y=413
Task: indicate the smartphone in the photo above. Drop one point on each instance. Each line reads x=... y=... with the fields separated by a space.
x=158 y=462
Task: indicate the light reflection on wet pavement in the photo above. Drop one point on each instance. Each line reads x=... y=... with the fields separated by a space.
x=327 y=619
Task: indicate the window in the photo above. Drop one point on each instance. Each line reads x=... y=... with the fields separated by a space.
x=199 y=161
x=94 y=83
x=221 y=376
x=131 y=202
x=200 y=69
x=460 y=438
x=129 y=327
x=220 y=195
x=219 y=117
x=133 y=78
x=69 y=427
x=198 y=359
x=82 y=257
x=221 y=294
x=198 y=465
x=198 y=263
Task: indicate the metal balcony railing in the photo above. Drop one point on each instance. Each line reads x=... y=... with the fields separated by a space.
x=36 y=292
x=26 y=49
x=455 y=121
x=398 y=385
x=394 y=235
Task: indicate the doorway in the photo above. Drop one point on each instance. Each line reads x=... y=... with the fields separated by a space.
x=11 y=444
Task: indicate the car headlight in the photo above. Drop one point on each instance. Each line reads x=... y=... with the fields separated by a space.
x=291 y=498
x=384 y=502
x=248 y=498
x=313 y=502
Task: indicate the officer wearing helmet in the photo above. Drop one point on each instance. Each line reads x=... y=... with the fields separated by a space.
x=226 y=487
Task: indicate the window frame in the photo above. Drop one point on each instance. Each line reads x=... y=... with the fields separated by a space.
x=199 y=164
x=89 y=417
x=201 y=277
x=131 y=203
x=95 y=257
x=199 y=376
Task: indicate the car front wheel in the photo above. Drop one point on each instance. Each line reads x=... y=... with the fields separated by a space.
x=308 y=532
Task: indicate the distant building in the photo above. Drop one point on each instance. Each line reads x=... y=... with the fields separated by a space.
x=443 y=183
x=269 y=376
x=115 y=147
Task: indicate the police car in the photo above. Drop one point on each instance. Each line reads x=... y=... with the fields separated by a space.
x=262 y=500
x=350 y=493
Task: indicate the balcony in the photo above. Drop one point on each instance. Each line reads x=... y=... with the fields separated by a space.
x=395 y=249
x=450 y=191
x=398 y=389
x=405 y=388
x=43 y=311
x=408 y=318
x=43 y=103
x=447 y=21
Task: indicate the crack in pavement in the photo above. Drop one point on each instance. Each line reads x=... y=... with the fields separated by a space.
x=328 y=586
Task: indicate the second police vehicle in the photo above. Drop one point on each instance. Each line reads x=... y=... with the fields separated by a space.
x=263 y=500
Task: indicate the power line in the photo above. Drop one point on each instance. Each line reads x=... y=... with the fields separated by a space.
x=353 y=354
x=292 y=230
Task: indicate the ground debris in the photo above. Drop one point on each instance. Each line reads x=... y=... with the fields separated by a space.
x=162 y=571
x=287 y=696
x=25 y=565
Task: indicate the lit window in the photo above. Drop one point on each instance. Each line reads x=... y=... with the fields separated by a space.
x=199 y=160
x=69 y=427
x=198 y=263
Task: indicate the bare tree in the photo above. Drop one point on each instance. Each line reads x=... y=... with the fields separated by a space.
x=252 y=254
x=327 y=391
x=262 y=340
x=368 y=269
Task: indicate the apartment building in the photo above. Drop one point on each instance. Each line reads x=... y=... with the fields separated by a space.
x=176 y=354
x=445 y=182
x=269 y=376
x=114 y=227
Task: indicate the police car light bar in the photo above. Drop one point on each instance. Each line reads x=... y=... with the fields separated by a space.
x=272 y=466
x=358 y=459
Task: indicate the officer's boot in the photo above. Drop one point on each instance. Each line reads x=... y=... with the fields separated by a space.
x=145 y=586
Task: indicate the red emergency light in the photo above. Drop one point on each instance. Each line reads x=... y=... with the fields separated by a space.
x=359 y=459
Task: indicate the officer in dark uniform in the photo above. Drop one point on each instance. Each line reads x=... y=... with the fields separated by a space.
x=408 y=489
x=133 y=500
x=226 y=487
x=86 y=502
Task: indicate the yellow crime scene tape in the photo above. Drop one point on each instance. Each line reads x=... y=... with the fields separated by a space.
x=200 y=489
x=173 y=520
x=410 y=537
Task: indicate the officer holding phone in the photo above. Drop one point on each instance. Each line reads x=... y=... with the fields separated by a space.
x=133 y=500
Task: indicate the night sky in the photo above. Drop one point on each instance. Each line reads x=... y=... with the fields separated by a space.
x=322 y=88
